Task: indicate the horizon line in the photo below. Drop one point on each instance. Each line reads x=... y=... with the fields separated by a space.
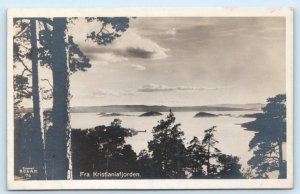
x=161 y=105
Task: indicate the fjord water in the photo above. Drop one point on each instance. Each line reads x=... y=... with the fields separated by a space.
x=233 y=139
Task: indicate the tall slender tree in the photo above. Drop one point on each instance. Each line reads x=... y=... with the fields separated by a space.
x=38 y=152
x=60 y=134
x=211 y=151
x=57 y=53
x=33 y=44
x=26 y=49
x=59 y=148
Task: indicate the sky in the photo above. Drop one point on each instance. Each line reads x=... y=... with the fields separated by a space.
x=183 y=61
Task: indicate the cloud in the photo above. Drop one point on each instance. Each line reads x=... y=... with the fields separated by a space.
x=102 y=92
x=172 y=32
x=99 y=93
x=129 y=45
x=107 y=58
x=138 y=53
x=154 y=88
x=138 y=67
x=164 y=88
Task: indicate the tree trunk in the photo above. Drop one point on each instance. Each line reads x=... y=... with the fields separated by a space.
x=37 y=146
x=59 y=137
x=208 y=162
x=282 y=167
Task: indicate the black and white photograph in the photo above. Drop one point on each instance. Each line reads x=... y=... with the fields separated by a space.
x=150 y=98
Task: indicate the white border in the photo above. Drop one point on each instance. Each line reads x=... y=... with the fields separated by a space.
x=155 y=183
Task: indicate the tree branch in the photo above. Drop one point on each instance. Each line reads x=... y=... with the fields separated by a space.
x=48 y=82
x=25 y=66
x=21 y=32
x=101 y=30
x=24 y=46
x=45 y=25
x=271 y=157
x=25 y=71
x=46 y=20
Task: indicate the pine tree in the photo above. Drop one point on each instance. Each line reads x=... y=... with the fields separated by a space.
x=168 y=149
x=145 y=164
x=25 y=48
x=211 y=151
x=196 y=157
x=105 y=147
x=270 y=128
x=60 y=46
x=229 y=167
x=33 y=42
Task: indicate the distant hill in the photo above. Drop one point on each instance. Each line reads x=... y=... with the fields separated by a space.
x=253 y=106
x=254 y=115
x=205 y=114
x=156 y=108
x=112 y=114
x=150 y=114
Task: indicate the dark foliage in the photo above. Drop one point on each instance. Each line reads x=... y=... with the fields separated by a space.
x=103 y=149
x=168 y=157
x=105 y=36
x=21 y=90
x=196 y=158
x=168 y=150
x=270 y=128
x=230 y=167
x=210 y=151
x=25 y=145
x=78 y=61
x=146 y=165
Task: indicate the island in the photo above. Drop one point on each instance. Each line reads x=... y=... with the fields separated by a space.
x=204 y=114
x=150 y=114
x=254 y=115
x=112 y=114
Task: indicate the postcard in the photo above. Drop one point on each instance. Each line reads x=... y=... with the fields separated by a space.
x=149 y=98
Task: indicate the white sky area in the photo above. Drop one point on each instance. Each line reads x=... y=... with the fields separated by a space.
x=183 y=62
